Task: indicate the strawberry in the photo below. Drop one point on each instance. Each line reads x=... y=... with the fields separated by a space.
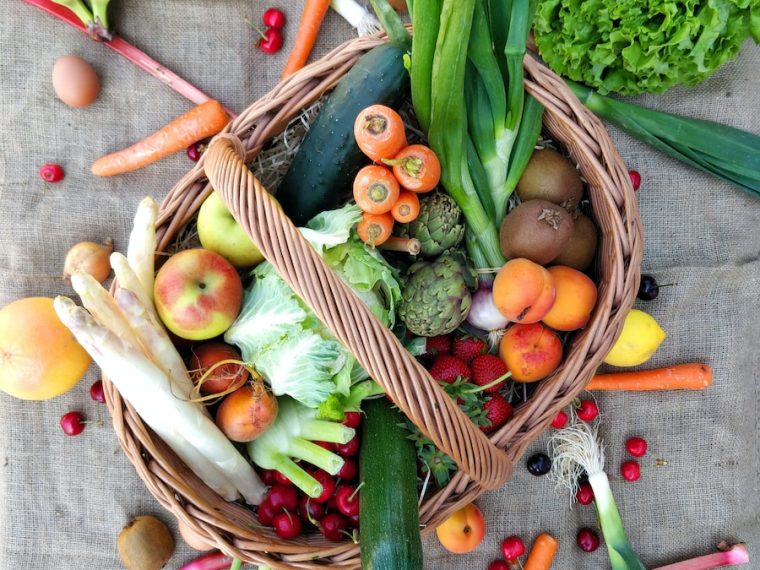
x=435 y=345
x=468 y=347
x=485 y=369
x=498 y=411
x=447 y=368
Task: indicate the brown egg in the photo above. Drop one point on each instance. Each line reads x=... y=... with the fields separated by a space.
x=75 y=81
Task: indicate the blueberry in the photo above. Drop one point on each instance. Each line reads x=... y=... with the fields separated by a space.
x=648 y=288
x=539 y=464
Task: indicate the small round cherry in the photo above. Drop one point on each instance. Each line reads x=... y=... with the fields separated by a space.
x=348 y=449
x=585 y=493
x=648 y=288
x=280 y=479
x=636 y=446
x=560 y=420
x=630 y=471
x=498 y=565
x=310 y=510
x=194 y=151
x=72 y=423
x=347 y=500
x=274 y=18
x=587 y=540
x=287 y=525
x=96 y=392
x=283 y=498
x=587 y=411
x=266 y=513
x=512 y=548
x=352 y=419
x=333 y=527
x=51 y=172
x=271 y=41
x=539 y=464
x=635 y=179
x=328 y=485
x=349 y=471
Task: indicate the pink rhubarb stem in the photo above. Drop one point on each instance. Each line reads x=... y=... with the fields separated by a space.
x=211 y=561
x=133 y=54
x=736 y=555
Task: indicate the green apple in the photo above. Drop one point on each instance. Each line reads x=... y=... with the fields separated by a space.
x=219 y=232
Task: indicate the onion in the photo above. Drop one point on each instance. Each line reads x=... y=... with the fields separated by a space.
x=483 y=313
x=88 y=257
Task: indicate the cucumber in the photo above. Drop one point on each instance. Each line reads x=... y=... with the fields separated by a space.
x=322 y=173
x=389 y=520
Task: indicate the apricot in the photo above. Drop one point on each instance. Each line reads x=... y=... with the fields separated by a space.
x=576 y=297
x=523 y=291
x=530 y=351
x=463 y=531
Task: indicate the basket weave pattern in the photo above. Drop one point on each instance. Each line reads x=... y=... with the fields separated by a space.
x=484 y=463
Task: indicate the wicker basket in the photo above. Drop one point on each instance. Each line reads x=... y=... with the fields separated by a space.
x=484 y=463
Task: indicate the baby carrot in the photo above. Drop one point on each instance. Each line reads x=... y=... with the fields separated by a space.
x=308 y=28
x=375 y=229
x=692 y=376
x=542 y=554
x=379 y=132
x=406 y=208
x=200 y=122
x=416 y=167
x=375 y=189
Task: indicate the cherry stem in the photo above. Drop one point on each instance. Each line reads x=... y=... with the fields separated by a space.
x=352 y=495
x=254 y=27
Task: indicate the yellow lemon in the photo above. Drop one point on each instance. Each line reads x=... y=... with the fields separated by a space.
x=638 y=341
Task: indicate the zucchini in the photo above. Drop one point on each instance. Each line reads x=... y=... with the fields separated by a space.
x=322 y=173
x=389 y=519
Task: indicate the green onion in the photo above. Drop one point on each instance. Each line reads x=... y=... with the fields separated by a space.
x=725 y=152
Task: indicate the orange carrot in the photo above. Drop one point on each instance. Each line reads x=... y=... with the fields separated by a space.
x=311 y=20
x=692 y=376
x=200 y=122
x=542 y=554
x=407 y=207
x=375 y=229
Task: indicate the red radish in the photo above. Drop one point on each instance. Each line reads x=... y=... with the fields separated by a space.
x=333 y=526
x=287 y=525
x=211 y=561
x=512 y=548
x=281 y=497
x=273 y=18
x=587 y=411
x=96 y=392
x=206 y=361
x=194 y=151
x=72 y=423
x=352 y=419
x=347 y=500
x=271 y=41
x=468 y=347
x=51 y=172
x=560 y=420
x=280 y=479
x=498 y=411
x=328 y=485
x=348 y=449
x=349 y=470
x=266 y=513
x=247 y=413
x=498 y=565
x=630 y=471
x=585 y=493
x=447 y=368
x=635 y=179
x=486 y=369
x=587 y=540
x=268 y=476
x=435 y=345
x=310 y=510
x=636 y=446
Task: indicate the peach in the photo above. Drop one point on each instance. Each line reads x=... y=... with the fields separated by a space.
x=523 y=291
x=576 y=297
x=531 y=351
x=463 y=531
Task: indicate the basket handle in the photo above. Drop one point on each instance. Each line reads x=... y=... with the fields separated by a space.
x=405 y=381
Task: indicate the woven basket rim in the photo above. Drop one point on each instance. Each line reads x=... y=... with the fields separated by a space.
x=229 y=526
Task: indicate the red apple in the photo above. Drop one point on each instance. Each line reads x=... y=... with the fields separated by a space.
x=224 y=376
x=197 y=294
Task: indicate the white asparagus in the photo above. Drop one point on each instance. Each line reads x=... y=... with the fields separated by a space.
x=128 y=279
x=180 y=423
x=141 y=249
x=102 y=306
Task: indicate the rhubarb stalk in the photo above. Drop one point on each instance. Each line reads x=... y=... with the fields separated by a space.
x=736 y=555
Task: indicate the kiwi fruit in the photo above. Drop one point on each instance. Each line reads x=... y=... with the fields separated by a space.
x=145 y=543
x=580 y=249
x=537 y=230
x=550 y=176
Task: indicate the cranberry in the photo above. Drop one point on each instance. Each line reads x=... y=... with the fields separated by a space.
x=267 y=513
x=636 y=446
x=348 y=449
x=587 y=540
x=349 y=471
x=328 y=485
x=273 y=18
x=310 y=510
x=51 y=172
x=280 y=479
x=286 y=525
x=635 y=179
x=352 y=419
x=498 y=565
x=194 y=151
x=96 y=392
x=72 y=423
x=347 y=500
x=585 y=493
x=282 y=497
x=271 y=42
x=268 y=476
x=333 y=526
x=587 y=410
x=512 y=548
x=630 y=471
x=560 y=420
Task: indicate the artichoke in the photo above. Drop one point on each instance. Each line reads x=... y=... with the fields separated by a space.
x=436 y=295
x=438 y=226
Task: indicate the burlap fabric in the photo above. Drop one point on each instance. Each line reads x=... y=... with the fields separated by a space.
x=64 y=499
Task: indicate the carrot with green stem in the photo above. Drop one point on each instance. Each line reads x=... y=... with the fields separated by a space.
x=308 y=28
x=203 y=121
x=691 y=376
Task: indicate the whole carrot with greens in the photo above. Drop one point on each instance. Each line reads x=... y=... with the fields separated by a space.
x=203 y=121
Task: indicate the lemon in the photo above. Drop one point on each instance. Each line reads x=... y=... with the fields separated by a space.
x=640 y=338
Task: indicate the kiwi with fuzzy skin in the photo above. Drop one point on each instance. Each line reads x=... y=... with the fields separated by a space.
x=550 y=176
x=145 y=543
x=580 y=249
x=537 y=230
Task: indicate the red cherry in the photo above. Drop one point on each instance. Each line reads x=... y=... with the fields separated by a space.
x=271 y=42
x=328 y=485
x=512 y=548
x=349 y=471
x=268 y=476
x=352 y=419
x=51 y=172
x=353 y=520
x=310 y=510
x=585 y=493
x=194 y=151
x=96 y=392
x=326 y=444
x=587 y=411
x=72 y=423
x=347 y=500
x=636 y=446
x=273 y=18
x=348 y=449
x=560 y=420
x=332 y=527
x=280 y=479
x=587 y=540
x=287 y=525
x=267 y=513
x=281 y=497
x=635 y=179
x=498 y=565
x=630 y=471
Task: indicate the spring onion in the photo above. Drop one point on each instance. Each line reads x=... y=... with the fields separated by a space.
x=576 y=450
x=356 y=15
